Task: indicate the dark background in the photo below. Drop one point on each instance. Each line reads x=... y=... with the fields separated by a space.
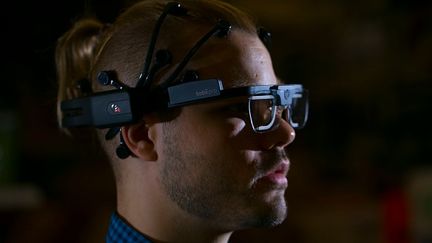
x=361 y=170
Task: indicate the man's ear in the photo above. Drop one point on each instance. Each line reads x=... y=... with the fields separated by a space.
x=139 y=140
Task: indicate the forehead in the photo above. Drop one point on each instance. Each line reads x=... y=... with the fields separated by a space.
x=240 y=59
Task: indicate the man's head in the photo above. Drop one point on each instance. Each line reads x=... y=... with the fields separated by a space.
x=207 y=163
x=213 y=164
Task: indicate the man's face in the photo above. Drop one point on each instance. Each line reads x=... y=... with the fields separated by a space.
x=214 y=166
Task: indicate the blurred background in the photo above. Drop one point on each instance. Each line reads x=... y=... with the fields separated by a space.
x=361 y=170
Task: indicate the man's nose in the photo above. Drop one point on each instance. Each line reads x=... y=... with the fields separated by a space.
x=279 y=137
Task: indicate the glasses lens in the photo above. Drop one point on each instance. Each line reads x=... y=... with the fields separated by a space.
x=298 y=110
x=262 y=112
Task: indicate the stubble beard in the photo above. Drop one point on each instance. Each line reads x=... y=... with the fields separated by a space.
x=208 y=195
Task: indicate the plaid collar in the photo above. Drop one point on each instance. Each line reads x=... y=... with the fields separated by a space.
x=120 y=231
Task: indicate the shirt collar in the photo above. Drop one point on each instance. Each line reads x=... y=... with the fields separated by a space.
x=121 y=231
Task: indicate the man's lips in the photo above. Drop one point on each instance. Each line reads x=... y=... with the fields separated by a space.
x=277 y=176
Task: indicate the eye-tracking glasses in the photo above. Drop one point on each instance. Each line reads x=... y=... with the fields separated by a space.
x=266 y=103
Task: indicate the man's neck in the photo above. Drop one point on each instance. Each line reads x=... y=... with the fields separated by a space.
x=153 y=214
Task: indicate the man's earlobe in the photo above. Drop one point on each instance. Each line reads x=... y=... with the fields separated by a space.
x=139 y=141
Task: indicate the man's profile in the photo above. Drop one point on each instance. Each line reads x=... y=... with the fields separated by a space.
x=191 y=114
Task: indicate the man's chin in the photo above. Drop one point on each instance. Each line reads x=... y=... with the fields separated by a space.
x=270 y=212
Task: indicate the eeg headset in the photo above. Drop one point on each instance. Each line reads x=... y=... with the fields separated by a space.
x=126 y=105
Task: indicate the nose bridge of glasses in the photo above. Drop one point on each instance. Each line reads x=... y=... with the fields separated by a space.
x=283 y=97
x=285 y=100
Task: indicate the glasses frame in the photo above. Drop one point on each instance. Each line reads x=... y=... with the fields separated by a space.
x=201 y=91
x=273 y=112
x=111 y=109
